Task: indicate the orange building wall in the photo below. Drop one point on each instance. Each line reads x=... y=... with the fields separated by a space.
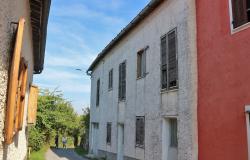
x=223 y=83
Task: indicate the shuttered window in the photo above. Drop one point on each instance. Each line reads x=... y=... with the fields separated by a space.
x=97 y=92
x=109 y=129
x=11 y=118
x=110 y=79
x=21 y=91
x=141 y=63
x=241 y=12
x=173 y=133
x=140 y=131
x=169 y=62
x=122 y=81
x=32 y=106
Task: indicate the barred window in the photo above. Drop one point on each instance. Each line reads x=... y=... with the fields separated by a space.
x=98 y=92
x=110 y=79
x=140 y=131
x=169 y=63
x=108 y=138
x=122 y=81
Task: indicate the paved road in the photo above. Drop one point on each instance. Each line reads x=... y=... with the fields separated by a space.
x=62 y=154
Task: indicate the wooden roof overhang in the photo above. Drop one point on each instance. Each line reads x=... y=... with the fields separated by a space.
x=39 y=13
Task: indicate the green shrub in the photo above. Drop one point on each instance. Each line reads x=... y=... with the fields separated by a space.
x=36 y=139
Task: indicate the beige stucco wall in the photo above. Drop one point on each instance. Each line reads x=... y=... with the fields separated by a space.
x=11 y=11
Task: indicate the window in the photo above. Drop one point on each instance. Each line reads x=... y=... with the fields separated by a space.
x=247 y=113
x=108 y=138
x=141 y=63
x=122 y=81
x=241 y=12
x=110 y=79
x=11 y=121
x=173 y=133
x=22 y=84
x=140 y=131
x=98 y=92
x=169 y=65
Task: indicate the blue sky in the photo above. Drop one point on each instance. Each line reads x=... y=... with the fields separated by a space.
x=77 y=31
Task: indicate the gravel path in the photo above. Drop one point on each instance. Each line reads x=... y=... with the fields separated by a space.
x=62 y=154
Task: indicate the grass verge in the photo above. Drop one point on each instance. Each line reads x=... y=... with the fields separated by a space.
x=39 y=155
x=80 y=151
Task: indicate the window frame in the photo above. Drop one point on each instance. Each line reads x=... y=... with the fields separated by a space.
x=247 y=115
x=110 y=79
x=167 y=88
x=109 y=137
x=239 y=28
x=140 y=66
x=98 y=86
x=173 y=143
x=122 y=97
x=141 y=144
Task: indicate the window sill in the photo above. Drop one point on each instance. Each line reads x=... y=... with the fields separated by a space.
x=110 y=89
x=122 y=101
x=240 y=28
x=139 y=146
x=141 y=77
x=170 y=90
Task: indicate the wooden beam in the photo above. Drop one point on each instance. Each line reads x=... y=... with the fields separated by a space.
x=13 y=83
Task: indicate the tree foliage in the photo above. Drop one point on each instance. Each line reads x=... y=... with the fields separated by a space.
x=54 y=115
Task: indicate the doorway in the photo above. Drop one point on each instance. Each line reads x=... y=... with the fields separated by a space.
x=120 y=143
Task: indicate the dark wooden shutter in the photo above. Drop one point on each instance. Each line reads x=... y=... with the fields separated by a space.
x=120 y=82
x=98 y=92
x=139 y=58
x=239 y=12
x=172 y=60
x=164 y=62
x=111 y=79
x=108 y=138
x=123 y=80
x=140 y=131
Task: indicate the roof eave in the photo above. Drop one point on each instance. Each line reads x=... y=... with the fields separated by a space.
x=140 y=17
x=39 y=21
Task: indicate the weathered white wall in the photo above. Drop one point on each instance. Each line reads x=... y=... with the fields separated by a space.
x=144 y=96
x=11 y=11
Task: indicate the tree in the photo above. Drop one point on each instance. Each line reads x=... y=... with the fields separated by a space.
x=54 y=114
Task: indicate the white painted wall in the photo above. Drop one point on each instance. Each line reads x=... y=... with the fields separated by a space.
x=144 y=97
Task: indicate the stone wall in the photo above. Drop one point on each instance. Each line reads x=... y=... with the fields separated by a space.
x=11 y=11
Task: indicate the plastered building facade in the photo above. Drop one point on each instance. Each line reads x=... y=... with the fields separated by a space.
x=10 y=14
x=144 y=96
